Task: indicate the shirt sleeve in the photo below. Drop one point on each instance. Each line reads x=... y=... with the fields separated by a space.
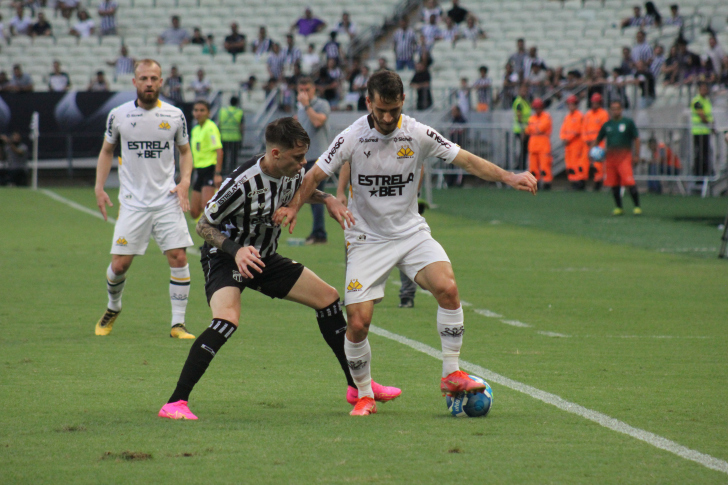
x=227 y=200
x=338 y=152
x=215 y=141
x=433 y=144
x=602 y=133
x=322 y=107
x=635 y=132
x=112 y=129
x=181 y=137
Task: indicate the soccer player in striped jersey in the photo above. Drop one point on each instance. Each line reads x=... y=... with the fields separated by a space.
x=386 y=151
x=240 y=251
x=151 y=204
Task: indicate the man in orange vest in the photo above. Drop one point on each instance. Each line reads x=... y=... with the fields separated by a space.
x=664 y=162
x=593 y=121
x=575 y=151
x=539 y=144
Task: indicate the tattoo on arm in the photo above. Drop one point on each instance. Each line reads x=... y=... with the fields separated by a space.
x=318 y=197
x=210 y=233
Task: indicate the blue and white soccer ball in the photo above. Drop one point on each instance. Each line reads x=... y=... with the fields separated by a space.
x=471 y=404
x=596 y=153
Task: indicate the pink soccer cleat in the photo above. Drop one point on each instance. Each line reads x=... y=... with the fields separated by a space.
x=381 y=393
x=364 y=407
x=176 y=410
x=458 y=382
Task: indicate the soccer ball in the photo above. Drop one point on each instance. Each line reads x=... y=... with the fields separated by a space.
x=596 y=153
x=471 y=404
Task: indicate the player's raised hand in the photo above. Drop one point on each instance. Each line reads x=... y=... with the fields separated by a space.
x=102 y=200
x=339 y=212
x=182 y=191
x=522 y=181
x=285 y=216
x=248 y=256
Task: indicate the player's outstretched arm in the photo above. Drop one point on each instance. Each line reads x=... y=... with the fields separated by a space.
x=337 y=210
x=103 y=167
x=185 y=172
x=245 y=257
x=486 y=170
x=286 y=216
x=344 y=176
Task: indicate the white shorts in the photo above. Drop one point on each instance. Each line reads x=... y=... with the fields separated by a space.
x=368 y=263
x=133 y=229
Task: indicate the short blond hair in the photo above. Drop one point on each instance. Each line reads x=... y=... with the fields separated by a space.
x=146 y=62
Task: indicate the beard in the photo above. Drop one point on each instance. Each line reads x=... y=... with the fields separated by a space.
x=148 y=97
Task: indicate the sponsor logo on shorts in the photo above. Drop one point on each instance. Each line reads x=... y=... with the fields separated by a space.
x=121 y=242
x=354 y=285
x=237 y=276
x=164 y=126
x=357 y=364
x=361 y=237
x=405 y=152
x=453 y=331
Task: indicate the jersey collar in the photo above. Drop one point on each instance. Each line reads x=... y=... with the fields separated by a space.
x=370 y=120
x=136 y=103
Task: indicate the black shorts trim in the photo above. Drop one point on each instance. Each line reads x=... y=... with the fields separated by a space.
x=204 y=177
x=279 y=275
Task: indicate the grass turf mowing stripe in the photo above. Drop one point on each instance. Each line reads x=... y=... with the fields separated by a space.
x=595 y=416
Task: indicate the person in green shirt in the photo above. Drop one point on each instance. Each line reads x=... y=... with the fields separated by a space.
x=701 y=111
x=521 y=114
x=231 y=121
x=623 y=146
x=207 y=157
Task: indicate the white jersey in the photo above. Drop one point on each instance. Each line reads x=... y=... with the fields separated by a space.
x=385 y=174
x=147 y=138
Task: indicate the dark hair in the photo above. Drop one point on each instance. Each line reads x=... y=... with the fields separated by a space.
x=618 y=101
x=203 y=102
x=483 y=67
x=387 y=84
x=305 y=80
x=234 y=100
x=286 y=133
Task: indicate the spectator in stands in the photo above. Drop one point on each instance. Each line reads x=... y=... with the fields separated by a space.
x=405 y=45
x=641 y=51
x=261 y=45
x=123 y=64
x=197 y=37
x=85 y=27
x=359 y=85
x=107 y=12
x=687 y=61
x=424 y=51
x=421 y=83
x=249 y=85
x=457 y=13
x=310 y=61
x=646 y=80
x=382 y=65
x=451 y=32
x=175 y=35
x=472 y=31
x=573 y=84
x=276 y=61
x=172 y=88
x=58 y=81
x=716 y=54
x=308 y=24
x=431 y=32
x=4 y=82
x=670 y=69
x=517 y=58
x=201 y=86
x=16 y=159
x=531 y=59
x=332 y=49
x=615 y=88
x=537 y=80
x=20 y=24
x=20 y=82
x=658 y=60
x=462 y=96
x=42 y=28
x=98 y=84
x=652 y=15
x=209 y=47
x=346 y=26
x=636 y=20
x=429 y=8
x=483 y=90
x=3 y=32
x=235 y=42
x=627 y=64
x=67 y=7
x=292 y=53
x=724 y=74
x=510 y=84
x=328 y=83
x=675 y=17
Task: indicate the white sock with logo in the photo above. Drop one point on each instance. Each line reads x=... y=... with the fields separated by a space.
x=114 y=288
x=179 y=291
x=359 y=357
x=450 y=327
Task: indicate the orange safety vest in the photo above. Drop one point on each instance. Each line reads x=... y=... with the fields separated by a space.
x=593 y=121
x=571 y=129
x=671 y=160
x=539 y=131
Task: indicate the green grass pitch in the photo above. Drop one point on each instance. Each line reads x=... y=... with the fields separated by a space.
x=626 y=316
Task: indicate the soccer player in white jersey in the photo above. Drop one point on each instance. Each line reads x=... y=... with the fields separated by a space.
x=151 y=204
x=386 y=150
x=240 y=252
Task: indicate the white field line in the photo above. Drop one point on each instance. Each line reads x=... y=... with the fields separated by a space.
x=554 y=400
x=92 y=212
x=553 y=334
x=487 y=313
x=516 y=323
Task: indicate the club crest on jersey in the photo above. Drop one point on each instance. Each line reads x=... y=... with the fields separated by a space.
x=405 y=152
x=121 y=242
x=237 y=276
x=213 y=207
x=164 y=126
x=354 y=285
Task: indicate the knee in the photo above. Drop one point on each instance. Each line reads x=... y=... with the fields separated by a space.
x=330 y=296
x=120 y=266
x=177 y=258
x=448 y=296
x=358 y=323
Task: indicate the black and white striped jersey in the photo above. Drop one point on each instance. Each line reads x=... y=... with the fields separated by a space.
x=243 y=208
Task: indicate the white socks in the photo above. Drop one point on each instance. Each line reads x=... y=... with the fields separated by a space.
x=359 y=357
x=450 y=327
x=114 y=287
x=179 y=291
